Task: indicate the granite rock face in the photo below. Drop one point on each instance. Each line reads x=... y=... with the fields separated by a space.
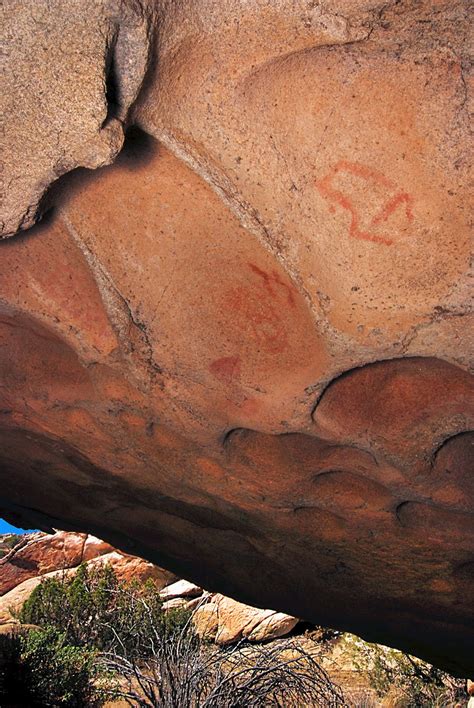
x=42 y=554
x=58 y=555
x=236 y=621
x=72 y=70
x=243 y=350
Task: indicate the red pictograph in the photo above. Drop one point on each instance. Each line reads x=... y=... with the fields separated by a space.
x=395 y=199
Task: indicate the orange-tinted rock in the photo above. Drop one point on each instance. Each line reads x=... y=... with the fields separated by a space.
x=275 y=625
x=69 y=117
x=95 y=547
x=40 y=556
x=128 y=568
x=13 y=600
x=243 y=350
x=41 y=553
x=228 y=621
x=206 y=621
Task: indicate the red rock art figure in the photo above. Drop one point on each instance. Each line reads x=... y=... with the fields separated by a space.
x=394 y=200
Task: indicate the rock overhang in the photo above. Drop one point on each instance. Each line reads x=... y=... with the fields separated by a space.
x=250 y=335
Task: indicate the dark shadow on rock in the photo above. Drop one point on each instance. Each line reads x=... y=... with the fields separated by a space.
x=138 y=149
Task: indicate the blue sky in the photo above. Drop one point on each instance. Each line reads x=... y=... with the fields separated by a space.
x=5 y=527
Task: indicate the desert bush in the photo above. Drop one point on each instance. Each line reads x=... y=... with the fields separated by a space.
x=12 y=539
x=184 y=671
x=159 y=659
x=156 y=657
x=420 y=683
x=94 y=608
x=40 y=669
x=8 y=542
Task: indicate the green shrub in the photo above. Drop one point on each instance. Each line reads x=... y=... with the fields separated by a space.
x=420 y=683
x=12 y=539
x=148 y=657
x=39 y=668
x=94 y=608
x=8 y=542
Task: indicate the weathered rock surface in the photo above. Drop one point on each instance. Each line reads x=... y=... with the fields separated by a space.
x=72 y=69
x=206 y=621
x=244 y=350
x=46 y=555
x=13 y=600
x=177 y=603
x=129 y=568
x=233 y=621
x=42 y=554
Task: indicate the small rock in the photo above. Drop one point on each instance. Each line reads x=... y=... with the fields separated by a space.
x=276 y=625
x=175 y=604
x=182 y=588
x=237 y=621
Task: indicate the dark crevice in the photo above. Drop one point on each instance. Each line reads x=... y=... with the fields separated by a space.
x=112 y=86
x=138 y=149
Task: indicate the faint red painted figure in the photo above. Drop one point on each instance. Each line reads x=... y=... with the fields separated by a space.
x=398 y=199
